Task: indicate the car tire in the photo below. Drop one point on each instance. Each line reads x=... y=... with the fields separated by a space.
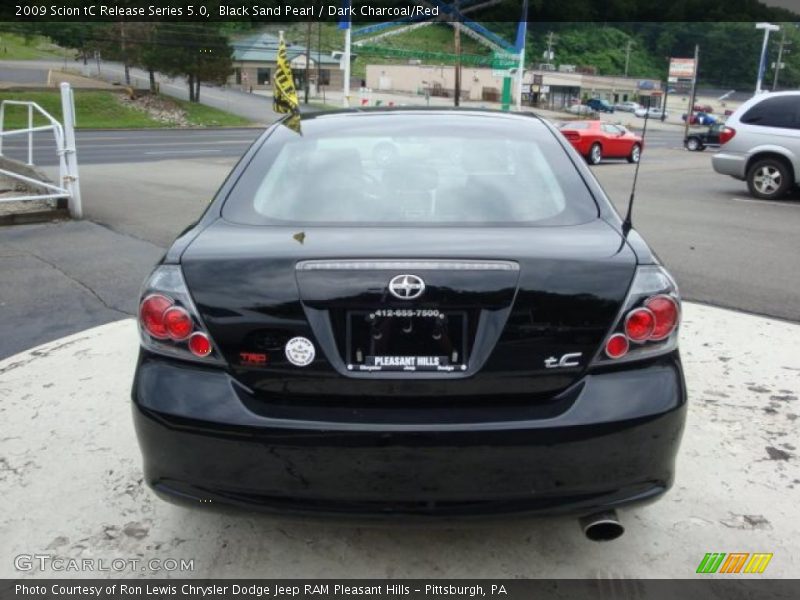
x=694 y=145
x=769 y=179
x=595 y=154
x=636 y=154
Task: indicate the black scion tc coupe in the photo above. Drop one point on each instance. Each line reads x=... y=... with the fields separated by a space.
x=411 y=312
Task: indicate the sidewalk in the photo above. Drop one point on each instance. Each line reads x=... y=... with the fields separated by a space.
x=71 y=474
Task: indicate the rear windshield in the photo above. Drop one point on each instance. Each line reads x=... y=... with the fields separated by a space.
x=574 y=125
x=411 y=170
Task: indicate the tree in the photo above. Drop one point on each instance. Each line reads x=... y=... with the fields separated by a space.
x=144 y=51
x=196 y=51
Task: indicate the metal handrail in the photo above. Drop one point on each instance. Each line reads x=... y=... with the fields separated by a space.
x=58 y=130
x=65 y=148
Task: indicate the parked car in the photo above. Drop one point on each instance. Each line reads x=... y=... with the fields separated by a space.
x=595 y=140
x=652 y=112
x=580 y=109
x=703 y=108
x=700 y=118
x=628 y=106
x=700 y=140
x=599 y=105
x=334 y=336
x=760 y=144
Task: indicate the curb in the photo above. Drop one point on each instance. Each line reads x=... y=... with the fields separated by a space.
x=38 y=216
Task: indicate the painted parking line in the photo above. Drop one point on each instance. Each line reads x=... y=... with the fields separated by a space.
x=787 y=203
x=179 y=152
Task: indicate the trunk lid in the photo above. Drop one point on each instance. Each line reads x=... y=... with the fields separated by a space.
x=522 y=298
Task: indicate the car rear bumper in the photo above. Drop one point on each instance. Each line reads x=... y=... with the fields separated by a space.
x=614 y=444
x=731 y=164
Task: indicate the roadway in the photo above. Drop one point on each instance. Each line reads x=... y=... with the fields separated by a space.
x=723 y=247
x=134 y=146
x=142 y=145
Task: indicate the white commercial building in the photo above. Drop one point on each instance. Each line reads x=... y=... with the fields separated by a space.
x=554 y=89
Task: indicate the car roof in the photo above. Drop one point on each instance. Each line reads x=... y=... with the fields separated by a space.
x=363 y=112
x=376 y=118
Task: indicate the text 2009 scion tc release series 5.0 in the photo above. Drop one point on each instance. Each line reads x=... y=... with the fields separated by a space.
x=411 y=313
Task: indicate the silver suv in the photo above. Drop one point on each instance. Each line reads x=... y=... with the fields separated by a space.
x=761 y=144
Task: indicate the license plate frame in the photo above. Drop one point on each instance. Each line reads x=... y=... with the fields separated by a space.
x=414 y=350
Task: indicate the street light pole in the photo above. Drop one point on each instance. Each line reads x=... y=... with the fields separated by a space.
x=762 y=65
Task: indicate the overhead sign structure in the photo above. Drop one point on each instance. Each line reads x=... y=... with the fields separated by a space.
x=681 y=68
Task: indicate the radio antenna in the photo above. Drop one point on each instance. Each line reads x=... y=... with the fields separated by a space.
x=627 y=224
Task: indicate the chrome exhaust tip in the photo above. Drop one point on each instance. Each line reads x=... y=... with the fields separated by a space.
x=602 y=527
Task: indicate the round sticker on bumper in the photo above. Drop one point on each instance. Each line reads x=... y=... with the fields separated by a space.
x=300 y=351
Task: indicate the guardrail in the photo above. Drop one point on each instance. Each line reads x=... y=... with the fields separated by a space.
x=65 y=148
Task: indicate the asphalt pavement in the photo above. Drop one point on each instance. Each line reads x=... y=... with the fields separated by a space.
x=139 y=145
x=724 y=248
x=143 y=145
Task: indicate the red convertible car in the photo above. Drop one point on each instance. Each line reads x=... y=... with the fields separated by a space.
x=596 y=140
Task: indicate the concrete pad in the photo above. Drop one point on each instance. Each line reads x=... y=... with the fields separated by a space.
x=71 y=482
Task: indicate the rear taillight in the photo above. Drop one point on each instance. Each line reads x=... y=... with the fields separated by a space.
x=169 y=323
x=666 y=313
x=648 y=323
x=726 y=135
x=639 y=324
x=151 y=315
x=200 y=345
x=617 y=346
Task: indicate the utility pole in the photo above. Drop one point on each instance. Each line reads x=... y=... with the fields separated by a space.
x=308 y=60
x=551 y=40
x=457 y=43
x=694 y=91
x=779 y=65
x=628 y=56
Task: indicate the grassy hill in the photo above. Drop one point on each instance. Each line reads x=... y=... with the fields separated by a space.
x=101 y=109
x=582 y=44
x=437 y=37
x=18 y=47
